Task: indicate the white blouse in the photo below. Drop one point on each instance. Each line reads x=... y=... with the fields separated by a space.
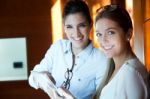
x=129 y=83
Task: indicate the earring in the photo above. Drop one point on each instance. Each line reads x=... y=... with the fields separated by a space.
x=128 y=39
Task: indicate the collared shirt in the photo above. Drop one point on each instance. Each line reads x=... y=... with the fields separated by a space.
x=90 y=68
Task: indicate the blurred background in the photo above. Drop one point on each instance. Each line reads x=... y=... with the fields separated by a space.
x=29 y=27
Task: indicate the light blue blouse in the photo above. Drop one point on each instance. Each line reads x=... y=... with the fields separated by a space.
x=90 y=68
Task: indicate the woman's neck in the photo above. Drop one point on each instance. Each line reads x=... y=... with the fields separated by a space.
x=76 y=51
x=119 y=60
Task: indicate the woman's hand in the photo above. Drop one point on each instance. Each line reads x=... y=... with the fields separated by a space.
x=61 y=93
x=46 y=82
x=43 y=80
x=66 y=93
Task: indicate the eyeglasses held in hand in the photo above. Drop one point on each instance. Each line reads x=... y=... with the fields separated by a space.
x=68 y=76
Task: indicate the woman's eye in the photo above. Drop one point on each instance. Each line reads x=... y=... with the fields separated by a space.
x=111 y=33
x=82 y=25
x=98 y=34
x=68 y=27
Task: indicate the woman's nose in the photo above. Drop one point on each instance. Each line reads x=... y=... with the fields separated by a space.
x=103 y=39
x=77 y=33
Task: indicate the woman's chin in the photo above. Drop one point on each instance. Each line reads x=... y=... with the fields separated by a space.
x=108 y=55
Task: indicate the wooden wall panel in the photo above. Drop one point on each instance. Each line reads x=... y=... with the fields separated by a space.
x=147 y=33
x=30 y=19
x=120 y=2
x=147 y=44
x=138 y=18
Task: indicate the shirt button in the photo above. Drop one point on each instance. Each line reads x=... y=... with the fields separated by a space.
x=79 y=79
x=77 y=56
x=66 y=52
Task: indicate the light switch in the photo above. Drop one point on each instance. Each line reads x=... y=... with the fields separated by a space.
x=18 y=64
x=13 y=59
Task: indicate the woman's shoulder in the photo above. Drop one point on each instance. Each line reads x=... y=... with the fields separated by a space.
x=60 y=43
x=134 y=76
x=133 y=69
x=135 y=65
x=59 y=46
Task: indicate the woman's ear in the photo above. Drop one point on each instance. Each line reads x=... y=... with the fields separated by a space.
x=129 y=35
x=64 y=28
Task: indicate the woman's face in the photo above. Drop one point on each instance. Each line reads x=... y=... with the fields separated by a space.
x=77 y=30
x=111 y=37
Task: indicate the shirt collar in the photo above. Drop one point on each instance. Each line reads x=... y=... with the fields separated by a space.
x=83 y=54
x=86 y=52
x=68 y=47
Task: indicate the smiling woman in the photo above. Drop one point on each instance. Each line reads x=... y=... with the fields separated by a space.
x=77 y=61
x=129 y=79
x=77 y=30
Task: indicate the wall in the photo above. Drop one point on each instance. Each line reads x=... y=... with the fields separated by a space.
x=30 y=19
x=138 y=9
x=147 y=32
